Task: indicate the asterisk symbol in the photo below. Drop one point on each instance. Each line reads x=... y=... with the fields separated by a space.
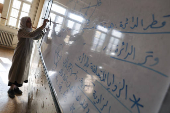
x=136 y=103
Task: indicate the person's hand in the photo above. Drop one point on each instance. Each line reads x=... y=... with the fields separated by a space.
x=45 y=22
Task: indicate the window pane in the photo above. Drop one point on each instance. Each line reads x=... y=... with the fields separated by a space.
x=100 y=42
x=74 y=32
x=96 y=40
x=12 y=21
x=52 y=15
x=114 y=47
x=111 y=39
x=29 y=0
x=77 y=27
x=58 y=9
x=103 y=36
x=102 y=28
x=26 y=7
x=97 y=34
x=23 y=14
x=75 y=17
x=55 y=27
x=116 y=41
x=2 y=1
x=109 y=45
x=116 y=33
x=70 y=24
x=16 y=4
x=93 y=47
x=59 y=19
x=14 y=12
x=58 y=28
x=51 y=26
x=49 y=34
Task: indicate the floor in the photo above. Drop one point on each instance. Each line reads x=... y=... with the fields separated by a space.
x=36 y=97
x=8 y=105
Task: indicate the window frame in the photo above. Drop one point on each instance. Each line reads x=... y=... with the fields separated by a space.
x=19 y=13
x=58 y=14
x=75 y=21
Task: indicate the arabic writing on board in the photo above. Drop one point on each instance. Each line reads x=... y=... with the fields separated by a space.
x=124 y=25
x=127 y=23
x=100 y=102
x=71 y=76
x=88 y=67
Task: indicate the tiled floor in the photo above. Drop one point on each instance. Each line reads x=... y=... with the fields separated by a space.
x=8 y=105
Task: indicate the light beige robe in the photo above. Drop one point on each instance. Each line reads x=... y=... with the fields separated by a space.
x=21 y=60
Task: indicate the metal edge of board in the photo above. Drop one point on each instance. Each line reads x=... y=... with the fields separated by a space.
x=53 y=93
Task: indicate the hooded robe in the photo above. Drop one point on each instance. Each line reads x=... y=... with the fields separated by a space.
x=21 y=60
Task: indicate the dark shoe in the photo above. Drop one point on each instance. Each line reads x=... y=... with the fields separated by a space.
x=17 y=91
x=11 y=93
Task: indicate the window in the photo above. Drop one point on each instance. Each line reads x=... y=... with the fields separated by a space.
x=113 y=43
x=74 y=22
x=19 y=9
x=2 y=1
x=98 y=41
x=57 y=15
x=58 y=9
x=60 y=15
x=101 y=28
x=116 y=33
x=99 y=38
x=75 y=17
x=74 y=26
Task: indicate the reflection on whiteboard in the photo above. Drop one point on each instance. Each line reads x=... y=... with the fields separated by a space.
x=106 y=57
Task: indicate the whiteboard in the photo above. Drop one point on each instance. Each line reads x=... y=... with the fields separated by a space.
x=108 y=56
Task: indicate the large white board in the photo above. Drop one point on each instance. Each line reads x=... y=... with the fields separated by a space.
x=109 y=56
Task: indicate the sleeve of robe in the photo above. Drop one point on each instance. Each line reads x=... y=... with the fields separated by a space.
x=39 y=36
x=26 y=34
